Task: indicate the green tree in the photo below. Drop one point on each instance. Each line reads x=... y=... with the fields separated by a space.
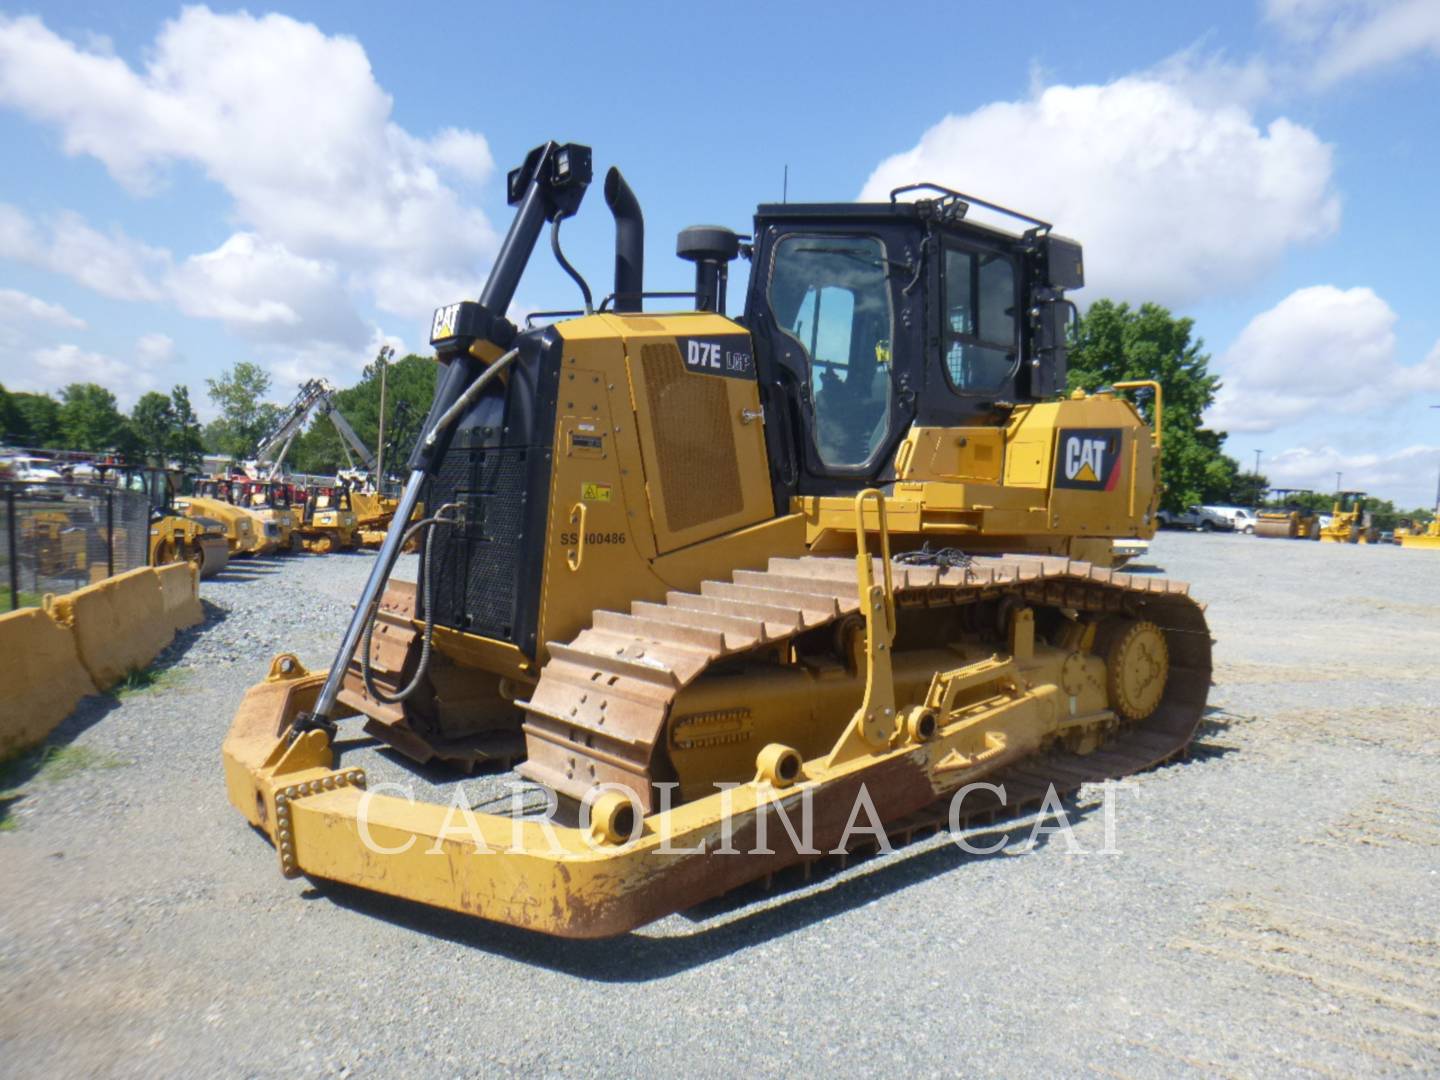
x=40 y=419
x=186 y=446
x=12 y=422
x=89 y=418
x=1249 y=489
x=245 y=416
x=1116 y=343
x=409 y=386
x=152 y=422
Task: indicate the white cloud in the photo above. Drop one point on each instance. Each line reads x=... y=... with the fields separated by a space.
x=1350 y=37
x=155 y=348
x=114 y=265
x=264 y=292
x=289 y=121
x=323 y=360
x=18 y=308
x=1175 y=199
x=1320 y=349
x=1407 y=475
x=53 y=367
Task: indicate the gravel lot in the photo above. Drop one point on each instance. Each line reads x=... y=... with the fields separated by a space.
x=1272 y=910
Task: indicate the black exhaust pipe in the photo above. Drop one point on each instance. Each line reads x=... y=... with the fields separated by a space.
x=629 y=242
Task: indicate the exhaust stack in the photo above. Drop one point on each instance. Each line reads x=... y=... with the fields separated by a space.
x=629 y=242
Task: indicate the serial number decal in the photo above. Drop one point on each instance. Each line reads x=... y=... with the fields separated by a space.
x=729 y=355
x=595 y=492
x=1088 y=458
x=570 y=539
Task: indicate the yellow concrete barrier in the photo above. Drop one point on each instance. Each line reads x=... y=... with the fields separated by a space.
x=180 y=595
x=119 y=624
x=41 y=678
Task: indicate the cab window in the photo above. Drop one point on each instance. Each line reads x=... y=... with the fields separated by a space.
x=831 y=294
x=979 y=321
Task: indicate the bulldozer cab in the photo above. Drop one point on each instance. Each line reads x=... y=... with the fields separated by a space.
x=868 y=318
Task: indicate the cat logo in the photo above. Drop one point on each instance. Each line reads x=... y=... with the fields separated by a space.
x=1088 y=459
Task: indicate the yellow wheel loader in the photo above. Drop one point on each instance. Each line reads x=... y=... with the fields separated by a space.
x=745 y=593
x=177 y=537
x=1287 y=517
x=1350 y=522
x=246 y=533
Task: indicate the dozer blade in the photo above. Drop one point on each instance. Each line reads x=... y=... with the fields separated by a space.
x=622 y=866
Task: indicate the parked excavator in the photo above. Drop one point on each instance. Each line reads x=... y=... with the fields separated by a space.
x=733 y=585
x=1350 y=522
x=1287 y=516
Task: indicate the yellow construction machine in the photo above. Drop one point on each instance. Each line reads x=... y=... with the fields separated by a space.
x=269 y=500
x=1417 y=536
x=326 y=521
x=59 y=544
x=1350 y=522
x=1287 y=516
x=739 y=586
x=177 y=537
x=246 y=533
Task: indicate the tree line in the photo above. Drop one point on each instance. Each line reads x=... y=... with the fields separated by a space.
x=1113 y=343
x=161 y=428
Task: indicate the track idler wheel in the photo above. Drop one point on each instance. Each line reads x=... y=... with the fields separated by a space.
x=1137 y=666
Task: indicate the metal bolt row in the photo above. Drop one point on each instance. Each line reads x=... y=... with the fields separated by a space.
x=284 y=837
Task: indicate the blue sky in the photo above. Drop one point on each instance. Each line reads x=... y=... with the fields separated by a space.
x=187 y=187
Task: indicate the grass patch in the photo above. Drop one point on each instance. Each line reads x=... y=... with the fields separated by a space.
x=142 y=679
x=50 y=765
x=27 y=599
x=62 y=762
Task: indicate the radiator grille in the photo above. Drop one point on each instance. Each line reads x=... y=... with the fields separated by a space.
x=694 y=440
x=477 y=571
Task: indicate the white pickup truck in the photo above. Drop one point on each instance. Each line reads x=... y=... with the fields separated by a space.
x=1195 y=517
x=41 y=478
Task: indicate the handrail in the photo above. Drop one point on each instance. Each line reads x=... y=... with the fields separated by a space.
x=1140 y=384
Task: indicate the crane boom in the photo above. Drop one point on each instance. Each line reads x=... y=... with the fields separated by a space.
x=348 y=436
x=276 y=445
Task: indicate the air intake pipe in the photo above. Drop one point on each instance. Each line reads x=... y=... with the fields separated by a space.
x=711 y=248
x=629 y=242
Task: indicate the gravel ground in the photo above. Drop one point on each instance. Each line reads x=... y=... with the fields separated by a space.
x=1271 y=910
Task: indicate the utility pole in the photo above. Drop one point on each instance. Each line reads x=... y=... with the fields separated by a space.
x=385 y=354
x=1257 y=463
x=1338 y=475
x=1437 y=482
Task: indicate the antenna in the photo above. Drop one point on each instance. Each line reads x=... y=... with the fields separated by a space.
x=785 y=191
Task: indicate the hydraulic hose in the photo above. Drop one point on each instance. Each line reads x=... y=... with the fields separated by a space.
x=427 y=603
x=319 y=717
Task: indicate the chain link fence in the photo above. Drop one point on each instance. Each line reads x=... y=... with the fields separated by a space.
x=59 y=536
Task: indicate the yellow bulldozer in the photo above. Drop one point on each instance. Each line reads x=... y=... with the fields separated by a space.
x=732 y=586
x=325 y=520
x=1420 y=536
x=1350 y=522
x=1287 y=516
